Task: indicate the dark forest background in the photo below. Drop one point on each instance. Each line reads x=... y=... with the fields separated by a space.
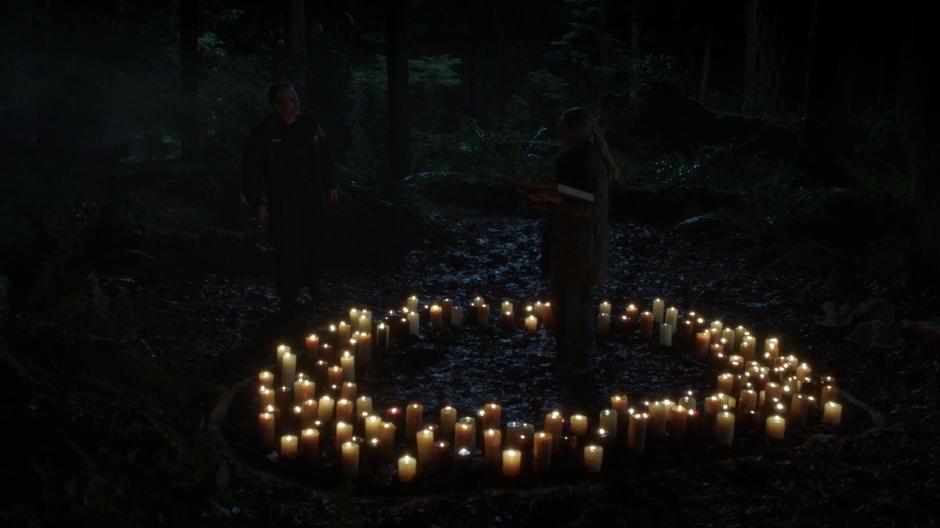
x=810 y=126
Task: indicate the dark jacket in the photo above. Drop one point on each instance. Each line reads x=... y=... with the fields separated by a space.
x=575 y=234
x=284 y=164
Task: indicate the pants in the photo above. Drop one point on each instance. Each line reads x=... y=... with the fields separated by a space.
x=574 y=324
x=295 y=232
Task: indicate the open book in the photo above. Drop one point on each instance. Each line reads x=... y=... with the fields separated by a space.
x=547 y=186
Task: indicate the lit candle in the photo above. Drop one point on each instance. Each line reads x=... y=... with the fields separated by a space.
x=381 y=336
x=373 y=425
x=542 y=452
x=603 y=323
x=344 y=433
x=414 y=414
x=266 y=426
x=547 y=317
x=658 y=308
x=702 y=342
x=512 y=462
x=288 y=367
x=492 y=445
x=676 y=421
x=265 y=396
x=407 y=467
x=828 y=393
x=437 y=316
x=387 y=437
x=632 y=311
x=308 y=411
x=343 y=332
x=554 y=424
x=304 y=389
x=728 y=335
x=646 y=326
x=334 y=375
x=717 y=326
x=775 y=427
x=465 y=434
x=492 y=416
x=672 y=316
x=746 y=349
x=425 y=441
x=288 y=447
x=350 y=463
x=657 y=412
x=266 y=378
x=281 y=350
x=726 y=382
x=483 y=315
x=344 y=410
x=608 y=422
x=348 y=364
x=325 y=408
x=413 y=321
x=506 y=320
x=456 y=316
x=531 y=323
x=593 y=458
x=832 y=413
x=506 y=307
x=579 y=425
x=724 y=428
x=412 y=303
x=636 y=431
x=448 y=421
x=665 y=334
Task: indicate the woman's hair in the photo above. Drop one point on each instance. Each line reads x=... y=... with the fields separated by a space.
x=583 y=125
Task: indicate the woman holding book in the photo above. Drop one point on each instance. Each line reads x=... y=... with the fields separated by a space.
x=575 y=233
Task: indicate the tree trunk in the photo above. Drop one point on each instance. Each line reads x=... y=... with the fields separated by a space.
x=399 y=126
x=762 y=94
x=189 y=76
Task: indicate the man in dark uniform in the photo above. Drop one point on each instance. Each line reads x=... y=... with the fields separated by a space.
x=287 y=176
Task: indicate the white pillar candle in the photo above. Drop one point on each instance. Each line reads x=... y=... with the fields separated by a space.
x=281 y=350
x=365 y=321
x=604 y=308
x=325 y=408
x=448 y=421
x=348 y=364
x=531 y=324
x=413 y=323
x=364 y=405
x=412 y=303
x=665 y=334
x=288 y=368
x=407 y=467
x=456 y=316
x=414 y=414
x=350 y=455
x=492 y=446
x=579 y=425
x=832 y=413
x=672 y=316
x=373 y=426
x=354 y=316
x=775 y=427
x=658 y=310
x=425 y=442
x=288 y=447
x=512 y=462
x=593 y=458
x=603 y=323
x=266 y=426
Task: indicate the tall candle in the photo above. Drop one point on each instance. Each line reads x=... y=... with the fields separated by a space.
x=325 y=408
x=412 y=303
x=828 y=393
x=344 y=433
x=344 y=410
x=657 y=412
x=288 y=367
x=456 y=316
x=646 y=326
x=308 y=411
x=348 y=363
x=334 y=375
x=448 y=420
x=512 y=462
x=465 y=434
x=676 y=421
x=483 y=315
x=636 y=431
x=281 y=350
x=266 y=379
x=672 y=316
x=425 y=440
x=775 y=427
x=350 y=465
x=288 y=447
x=579 y=425
x=608 y=422
x=658 y=308
x=414 y=414
x=407 y=467
x=603 y=323
x=542 y=451
x=492 y=446
x=746 y=349
x=266 y=427
x=387 y=436
x=702 y=342
x=832 y=413
x=382 y=336
x=373 y=426
x=343 y=333
x=507 y=322
x=265 y=396
x=728 y=335
x=492 y=416
x=724 y=428
x=348 y=390
x=304 y=390
x=310 y=443
x=665 y=334
x=531 y=324
x=726 y=382
x=413 y=323
x=554 y=424
x=437 y=315
x=593 y=458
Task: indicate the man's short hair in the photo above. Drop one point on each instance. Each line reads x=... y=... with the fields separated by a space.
x=276 y=88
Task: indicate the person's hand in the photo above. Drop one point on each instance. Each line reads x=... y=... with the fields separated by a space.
x=334 y=196
x=262 y=212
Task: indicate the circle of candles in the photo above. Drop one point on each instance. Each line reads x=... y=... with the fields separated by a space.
x=492 y=445
x=832 y=413
x=288 y=447
x=407 y=467
x=578 y=424
x=775 y=427
x=512 y=462
x=593 y=458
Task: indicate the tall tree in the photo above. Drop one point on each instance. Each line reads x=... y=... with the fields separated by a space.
x=189 y=75
x=762 y=68
x=399 y=122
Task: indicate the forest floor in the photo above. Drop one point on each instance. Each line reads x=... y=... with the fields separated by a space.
x=223 y=329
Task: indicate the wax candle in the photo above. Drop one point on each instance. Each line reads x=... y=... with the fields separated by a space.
x=657 y=420
x=621 y=404
x=492 y=446
x=288 y=367
x=266 y=379
x=414 y=414
x=456 y=316
x=632 y=311
x=304 y=389
x=506 y=307
x=604 y=308
x=407 y=467
x=593 y=458
x=775 y=427
x=512 y=462
x=725 y=382
x=547 y=318
x=266 y=424
x=373 y=425
x=724 y=428
x=748 y=400
x=344 y=433
x=506 y=320
x=658 y=307
x=702 y=342
x=350 y=454
x=465 y=434
x=542 y=452
x=308 y=411
x=603 y=323
x=483 y=315
x=578 y=425
x=554 y=424
x=828 y=393
x=387 y=436
x=608 y=422
x=672 y=316
x=281 y=350
x=665 y=334
x=636 y=431
x=437 y=316
x=425 y=440
x=334 y=375
x=283 y=398
x=344 y=410
x=265 y=396
x=646 y=326
x=531 y=324
x=310 y=443
x=413 y=323
x=325 y=408
x=676 y=421
x=412 y=303
x=492 y=416
x=728 y=335
x=348 y=363
x=343 y=332
x=448 y=420
x=832 y=413
x=288 y=447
